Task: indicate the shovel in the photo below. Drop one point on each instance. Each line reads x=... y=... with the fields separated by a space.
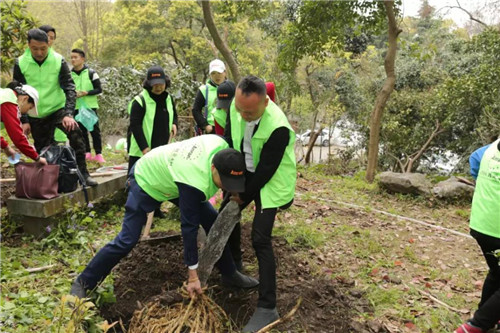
x=145 y=235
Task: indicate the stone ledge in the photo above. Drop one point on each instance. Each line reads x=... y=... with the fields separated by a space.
x=47 y=208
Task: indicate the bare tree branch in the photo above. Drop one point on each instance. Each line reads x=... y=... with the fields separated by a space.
x=471 y=17
x=415 y=156
x=401 y=165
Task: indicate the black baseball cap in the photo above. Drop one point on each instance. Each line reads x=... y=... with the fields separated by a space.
x=230 y=164
x=225 y=94
x=156 y=75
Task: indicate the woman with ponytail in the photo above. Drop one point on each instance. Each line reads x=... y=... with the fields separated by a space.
x=15 y=100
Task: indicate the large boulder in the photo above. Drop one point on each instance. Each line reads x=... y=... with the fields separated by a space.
x=410 y=183
x=452 y=189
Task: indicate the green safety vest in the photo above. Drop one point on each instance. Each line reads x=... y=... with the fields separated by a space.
x=7 y=96
x=280 y=189
x=45 y=79
x=188 y=162
x=59 y=135
x=148 y=121
x=220 y=116
x=84 y=83
x=210 y=102
x=485 y=211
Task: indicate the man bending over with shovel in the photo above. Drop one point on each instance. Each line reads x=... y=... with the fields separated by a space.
x=186 y=173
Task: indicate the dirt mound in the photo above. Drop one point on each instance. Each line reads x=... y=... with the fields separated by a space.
x=154 y=268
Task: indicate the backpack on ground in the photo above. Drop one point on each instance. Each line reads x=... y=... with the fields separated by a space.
x=69 y=174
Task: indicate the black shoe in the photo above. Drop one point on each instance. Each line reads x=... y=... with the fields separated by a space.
x=261 y=318
x=77 y=289
x=90 y=181
x=239 y=280
x=239 y=265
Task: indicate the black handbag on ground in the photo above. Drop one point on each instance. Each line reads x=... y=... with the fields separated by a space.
x=69 y=174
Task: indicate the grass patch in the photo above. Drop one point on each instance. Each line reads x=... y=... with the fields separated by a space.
x=409 y=253
x=30 y=300
x=462 y=213
x=382 y=299
x=369 y=247
x=302 y=235
x=364 y=244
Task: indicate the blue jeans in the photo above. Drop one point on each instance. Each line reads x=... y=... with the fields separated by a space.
x=139 y=203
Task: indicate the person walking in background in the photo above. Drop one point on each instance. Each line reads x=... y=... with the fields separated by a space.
x=485 y=228
x=261 y=132
x=15 y=99
x=271 y=91
x=49 y=74
x=88 y=86
x=476 y=156
x=204 y=101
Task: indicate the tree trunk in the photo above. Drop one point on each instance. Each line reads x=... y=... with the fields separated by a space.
x=81 y=12
x=95 y=39
x=314 y=135
x=217 y=239
x=385 y=92
x=219 y=43
x=310 y=146
x=174 y=55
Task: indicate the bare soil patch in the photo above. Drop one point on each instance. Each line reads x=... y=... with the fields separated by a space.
x=154 y=269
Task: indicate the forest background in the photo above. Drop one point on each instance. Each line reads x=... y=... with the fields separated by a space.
x=326 y=59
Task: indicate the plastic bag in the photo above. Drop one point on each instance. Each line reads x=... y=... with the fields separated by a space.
x=87 y=117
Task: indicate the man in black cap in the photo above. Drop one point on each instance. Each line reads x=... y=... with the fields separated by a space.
x=186 y=173
x=225 y=95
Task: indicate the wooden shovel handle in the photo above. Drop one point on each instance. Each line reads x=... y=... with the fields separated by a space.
x=149 y=222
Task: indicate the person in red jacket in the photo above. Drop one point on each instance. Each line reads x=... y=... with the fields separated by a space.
x=15 y=100
x=271 y=91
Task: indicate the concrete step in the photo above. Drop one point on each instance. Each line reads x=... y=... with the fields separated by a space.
x=37 y=214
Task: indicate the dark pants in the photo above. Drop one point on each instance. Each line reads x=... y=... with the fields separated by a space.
x=139 y=203
x=488 y=313
x=96 y=136
x=42 y=130
x=262 y=227
x=131 y=162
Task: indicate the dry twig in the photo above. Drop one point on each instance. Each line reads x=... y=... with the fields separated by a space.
x=286 y=317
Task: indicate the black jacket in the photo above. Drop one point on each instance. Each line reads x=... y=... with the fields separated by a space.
x=270 y=159
x=199 y=104
x=161 y=132
x=65 y=81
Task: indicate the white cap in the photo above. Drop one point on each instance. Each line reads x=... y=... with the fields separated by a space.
x=33 y=93
x=217 y=66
